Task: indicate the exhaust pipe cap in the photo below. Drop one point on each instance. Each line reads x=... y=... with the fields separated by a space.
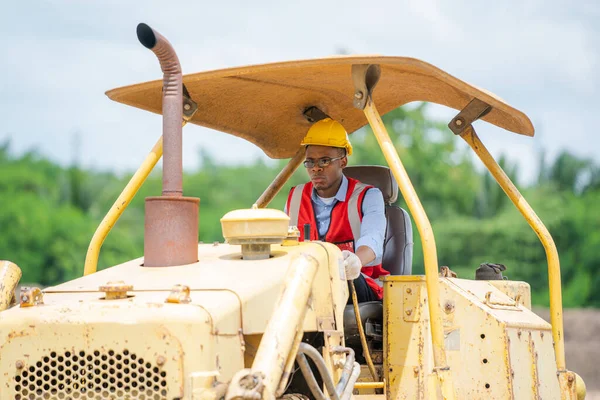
x=146 y=35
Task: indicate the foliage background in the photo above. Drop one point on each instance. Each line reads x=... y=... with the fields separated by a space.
x=48 y=213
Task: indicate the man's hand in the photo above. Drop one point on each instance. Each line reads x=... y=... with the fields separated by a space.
x=352 y=265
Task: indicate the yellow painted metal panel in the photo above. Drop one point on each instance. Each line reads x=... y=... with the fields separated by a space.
x=518 y=291
x=474 y=344
x=487 y=358
x=406 y=357
x=254 y=283
x=546 y=364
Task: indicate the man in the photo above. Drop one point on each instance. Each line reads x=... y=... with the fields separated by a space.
x=340 y=210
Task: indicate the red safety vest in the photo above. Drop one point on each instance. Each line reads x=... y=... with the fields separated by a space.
x=344 y=225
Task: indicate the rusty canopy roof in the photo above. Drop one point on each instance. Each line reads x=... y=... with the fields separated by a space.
x=264 y=104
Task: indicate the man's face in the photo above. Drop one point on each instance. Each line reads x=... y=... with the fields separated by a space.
x=324 y=178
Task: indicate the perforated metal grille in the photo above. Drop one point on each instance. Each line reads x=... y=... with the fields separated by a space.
x=91 y=375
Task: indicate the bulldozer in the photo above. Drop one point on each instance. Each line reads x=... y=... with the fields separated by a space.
x=264 y=314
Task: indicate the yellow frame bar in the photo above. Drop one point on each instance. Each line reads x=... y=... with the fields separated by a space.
x=279 y=338
x=556 y=315
x=281 y=178
x=136 y=181
x=369 y=385
x=428 y=241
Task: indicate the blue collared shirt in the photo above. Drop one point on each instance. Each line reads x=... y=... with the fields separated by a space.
x=372 y=228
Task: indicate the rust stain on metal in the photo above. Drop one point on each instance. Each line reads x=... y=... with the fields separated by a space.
x=179 y=294
x=510 y=373
x=570 y=379
x=421 y=376
x=115 y=290
x=171 y=231
x=535 y=387
x=449 y=307
x=31 y=296
x=16 y=334
x=446 y=272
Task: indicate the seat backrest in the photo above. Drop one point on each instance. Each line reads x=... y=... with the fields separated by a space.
x=398 y=244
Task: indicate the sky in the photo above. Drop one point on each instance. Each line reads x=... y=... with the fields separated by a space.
x=59 y=57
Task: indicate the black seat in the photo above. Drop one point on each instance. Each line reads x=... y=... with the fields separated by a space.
x=397 y=247
x=398 y=244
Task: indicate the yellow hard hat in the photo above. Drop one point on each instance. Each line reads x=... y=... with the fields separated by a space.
x=328 y=132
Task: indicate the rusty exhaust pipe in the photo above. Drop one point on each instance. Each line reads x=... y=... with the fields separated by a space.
x=171 y=222
x=172 y=108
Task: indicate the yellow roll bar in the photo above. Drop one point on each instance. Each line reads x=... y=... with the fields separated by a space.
x=136 y=181
x=428 y=240
x=556 y=319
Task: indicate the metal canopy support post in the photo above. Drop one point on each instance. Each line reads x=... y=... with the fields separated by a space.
x=111 y=218
x=461 y=125
x=365 y=78
x=280 y=180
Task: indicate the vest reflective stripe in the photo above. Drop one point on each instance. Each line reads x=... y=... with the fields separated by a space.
x=293 y=206
x=355 y=208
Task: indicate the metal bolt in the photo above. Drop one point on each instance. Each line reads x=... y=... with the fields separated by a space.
x=358 y=95
x=519 y=333
x=458 y=122
x=20 y=364
x=25 y=298
x=448 y=307
x=160 y=360
x=542 y=335
x=408 y=312
x=115 y=290
x=409 y=290
x=187 y=107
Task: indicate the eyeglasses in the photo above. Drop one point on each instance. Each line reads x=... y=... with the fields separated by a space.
x=321 y=162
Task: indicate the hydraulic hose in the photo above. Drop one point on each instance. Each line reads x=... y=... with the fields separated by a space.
x=347 y=393
x=348 y=367
x=307 y=350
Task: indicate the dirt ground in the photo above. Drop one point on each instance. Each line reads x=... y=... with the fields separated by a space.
x=582 y=345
